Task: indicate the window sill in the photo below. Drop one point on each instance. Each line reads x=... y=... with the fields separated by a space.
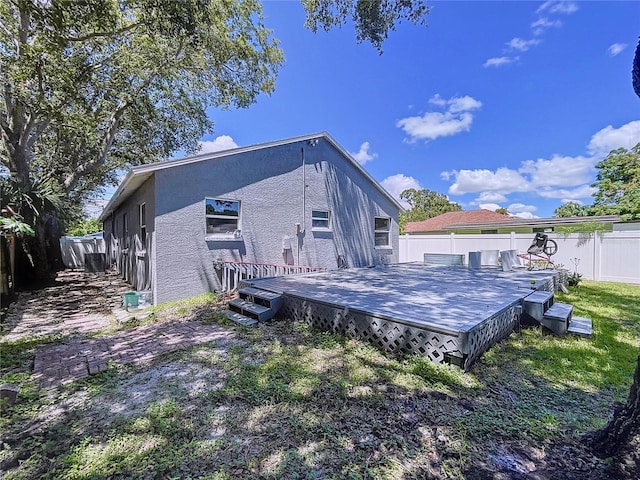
x=381 y=247
x=223 y=238
x=324 y=230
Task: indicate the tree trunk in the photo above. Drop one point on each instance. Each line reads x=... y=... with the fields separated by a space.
x=620 y=438
x=33 y=262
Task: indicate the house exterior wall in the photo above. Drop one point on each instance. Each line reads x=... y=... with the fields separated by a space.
x=276 y=192
x=131 y=256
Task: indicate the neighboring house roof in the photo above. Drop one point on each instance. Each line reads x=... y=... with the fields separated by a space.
x=137 y=175
x=537 y=222
x=441 y=222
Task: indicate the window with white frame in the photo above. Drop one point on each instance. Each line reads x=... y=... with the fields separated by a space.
x=382 y=226
x=142 y=214
x=320 y=219
x=222 y=217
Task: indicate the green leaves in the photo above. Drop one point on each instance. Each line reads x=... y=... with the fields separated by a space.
x=16 y=226
x=618 y=184
x=94 y=86
x=617 y=188
x=425 y=204
x=373 y=19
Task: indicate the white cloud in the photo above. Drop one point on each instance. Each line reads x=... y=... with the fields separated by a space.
x=433 y=125
x=223 y=142
x=565 y=7
x=543 y=23
x=558 y=171
x=490 y=197
x=567 y=194
x=363 y=155
x=525 y=215
x=563 y=177
x=463 y=104
x=396 y=184
x=438 y=100
x=610 y=138
x=503 y=180
x=516 y=208
x=522 y=45
x=616 y=49
x=499 y=61
x=489 y=206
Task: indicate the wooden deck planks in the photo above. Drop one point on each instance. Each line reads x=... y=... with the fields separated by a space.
x=446 y=298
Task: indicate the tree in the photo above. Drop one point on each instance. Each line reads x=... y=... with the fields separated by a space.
x=571 y=209
x=425 y=204
x=372 y=19
x=89 y=87
x=620 y=438
x=635 y=71
x=618 y=184
x=84 y=227
x=25 y=208
x=502 y=211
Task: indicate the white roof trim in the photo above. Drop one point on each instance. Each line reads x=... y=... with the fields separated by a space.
x=140 y=173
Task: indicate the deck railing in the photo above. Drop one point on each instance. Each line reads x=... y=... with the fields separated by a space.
x=231 y=273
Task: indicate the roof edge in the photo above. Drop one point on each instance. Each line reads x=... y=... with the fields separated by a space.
x=150 y=168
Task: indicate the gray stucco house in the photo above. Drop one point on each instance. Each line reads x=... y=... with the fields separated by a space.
x=299 y=201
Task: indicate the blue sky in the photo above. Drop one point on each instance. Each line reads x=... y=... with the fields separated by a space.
x=506 y=104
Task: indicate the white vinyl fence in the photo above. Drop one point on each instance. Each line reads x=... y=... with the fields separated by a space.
x=74 y=249
x=611 y=256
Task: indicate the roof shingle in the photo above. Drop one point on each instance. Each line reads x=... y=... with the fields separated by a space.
x=439 y=223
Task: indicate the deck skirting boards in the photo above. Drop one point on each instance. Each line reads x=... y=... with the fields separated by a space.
x=457 y=348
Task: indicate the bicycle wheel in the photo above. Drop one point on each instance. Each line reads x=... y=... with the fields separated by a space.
x=551 y=247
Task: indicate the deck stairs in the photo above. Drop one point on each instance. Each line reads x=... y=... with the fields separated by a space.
x=253 y=305
x=557 y=317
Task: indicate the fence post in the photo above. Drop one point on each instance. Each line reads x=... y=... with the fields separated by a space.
x=597 y=255
x=452 y=242
x=512 y=241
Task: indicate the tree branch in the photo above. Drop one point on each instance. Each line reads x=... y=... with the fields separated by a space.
x=90 y=36
x=114 y=125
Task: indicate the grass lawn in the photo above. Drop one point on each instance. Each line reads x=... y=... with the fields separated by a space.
x=286 y=401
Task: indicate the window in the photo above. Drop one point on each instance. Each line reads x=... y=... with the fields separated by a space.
x=320 y=219
x=222 y=217
x=143 y=223
x=125 y=230
x=488 y=232
x=382 y=230
x=543 y=230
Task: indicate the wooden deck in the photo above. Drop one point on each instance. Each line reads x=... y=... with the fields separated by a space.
x=449 y=313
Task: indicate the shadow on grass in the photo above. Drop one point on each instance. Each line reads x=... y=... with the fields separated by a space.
x=298 y=403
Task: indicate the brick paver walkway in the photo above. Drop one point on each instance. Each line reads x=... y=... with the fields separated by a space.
x=80 y=303
x=58 y=364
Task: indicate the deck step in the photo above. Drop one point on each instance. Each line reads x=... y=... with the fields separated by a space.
x=257 y=293
x=250 y=309
x=239 y=318
x=581 y=326
x=558 y=318
x=263 y=298
x=537 y=303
